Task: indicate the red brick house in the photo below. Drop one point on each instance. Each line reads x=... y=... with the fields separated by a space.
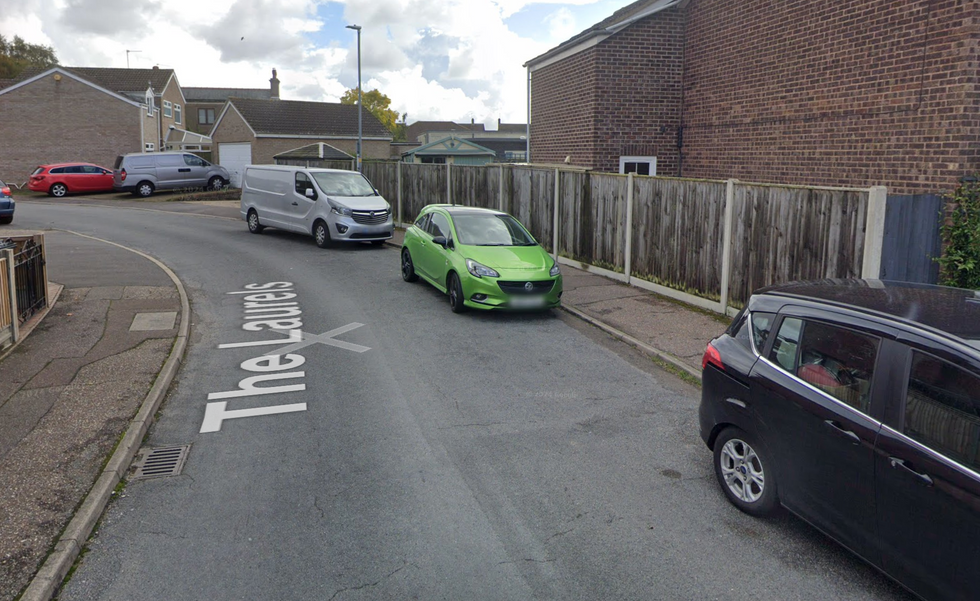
x=66 y=114
x=254 y=131
x=848 y=93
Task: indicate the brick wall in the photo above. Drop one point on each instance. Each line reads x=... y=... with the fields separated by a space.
x=621 y=97
x=50 y=121
x=847 y=93
x=563 y=111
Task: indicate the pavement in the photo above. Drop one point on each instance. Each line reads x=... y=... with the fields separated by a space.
x=79 y=390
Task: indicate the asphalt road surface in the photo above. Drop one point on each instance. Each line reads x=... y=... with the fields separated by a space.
x=410 y=453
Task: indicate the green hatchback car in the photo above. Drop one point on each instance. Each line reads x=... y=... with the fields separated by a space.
x=482 y=259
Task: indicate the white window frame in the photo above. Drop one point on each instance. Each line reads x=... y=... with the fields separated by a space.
x=149 y=147
x=178 y=114
x=652 y=161
x=168 y=109
x=149 y=104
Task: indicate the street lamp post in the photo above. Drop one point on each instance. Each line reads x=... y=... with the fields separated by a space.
x=360 y=109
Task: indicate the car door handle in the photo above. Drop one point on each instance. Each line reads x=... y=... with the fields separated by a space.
x=854 y=438
x=295 y=204
x=187 y=170
x=924 y=479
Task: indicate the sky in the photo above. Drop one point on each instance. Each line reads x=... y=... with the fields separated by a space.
x=447 y=60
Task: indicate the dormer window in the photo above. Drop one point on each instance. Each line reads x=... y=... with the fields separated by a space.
x=149 y=103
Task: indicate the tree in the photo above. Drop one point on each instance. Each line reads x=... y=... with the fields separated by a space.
x=16 y=55
x=377 y=104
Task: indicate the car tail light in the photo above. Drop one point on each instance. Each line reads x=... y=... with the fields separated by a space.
x=5 y=191
x=712 y=357
x=122 y=175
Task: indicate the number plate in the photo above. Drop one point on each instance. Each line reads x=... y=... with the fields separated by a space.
x=527 y=302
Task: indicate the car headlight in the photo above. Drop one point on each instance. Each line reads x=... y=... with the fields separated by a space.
x=341 y=210
x=480 y=270
x=554 y=270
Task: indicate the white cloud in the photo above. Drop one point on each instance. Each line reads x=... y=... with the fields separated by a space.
x=454 y=59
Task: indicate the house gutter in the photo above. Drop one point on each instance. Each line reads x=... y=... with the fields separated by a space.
x=527 y=153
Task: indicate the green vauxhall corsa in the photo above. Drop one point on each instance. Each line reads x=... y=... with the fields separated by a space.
x=482 y=259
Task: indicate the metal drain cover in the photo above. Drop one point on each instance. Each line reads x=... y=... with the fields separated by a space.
x=159 y=462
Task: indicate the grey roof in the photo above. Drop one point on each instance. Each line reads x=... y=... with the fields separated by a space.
x=514 y=128
x=123 y=80
x=298 y=118
x=621 y=16
x=413 y=131
x=223 y=94
x=319 y=150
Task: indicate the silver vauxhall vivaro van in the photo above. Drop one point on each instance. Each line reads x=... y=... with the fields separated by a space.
x=141 y=173
x=330 y=204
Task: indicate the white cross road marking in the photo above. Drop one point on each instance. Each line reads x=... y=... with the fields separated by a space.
x=325 y=338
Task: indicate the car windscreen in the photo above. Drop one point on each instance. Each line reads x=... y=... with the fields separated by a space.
x=491 y=230
x=343 y=184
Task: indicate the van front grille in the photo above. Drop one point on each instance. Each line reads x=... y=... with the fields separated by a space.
x=371 y=217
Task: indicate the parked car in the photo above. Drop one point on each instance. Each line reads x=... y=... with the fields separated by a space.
x=482 y=259
x=331 y=204
x=143 y=173
x=6 y=204
x=856 y=405
x=65 y=178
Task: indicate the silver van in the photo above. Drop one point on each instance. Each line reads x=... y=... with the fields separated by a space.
x=331 y=204
x=142 y=173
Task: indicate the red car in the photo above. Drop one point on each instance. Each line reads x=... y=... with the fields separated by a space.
x=63 y=178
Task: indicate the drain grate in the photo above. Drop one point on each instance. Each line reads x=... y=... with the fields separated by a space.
x=160 y=462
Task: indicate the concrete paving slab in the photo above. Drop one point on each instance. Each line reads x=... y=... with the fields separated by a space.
x=153 y=322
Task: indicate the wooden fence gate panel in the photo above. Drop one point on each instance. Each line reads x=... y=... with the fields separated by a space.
x=912 y=238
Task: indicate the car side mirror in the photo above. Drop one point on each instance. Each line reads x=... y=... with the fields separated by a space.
x=441 y=241
x=310 y=193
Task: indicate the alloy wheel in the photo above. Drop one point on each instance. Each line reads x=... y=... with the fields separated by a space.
x=742 y=471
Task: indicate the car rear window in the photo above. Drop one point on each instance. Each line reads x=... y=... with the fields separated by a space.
x=118 y=163
x=752 y=329
x=38 y=170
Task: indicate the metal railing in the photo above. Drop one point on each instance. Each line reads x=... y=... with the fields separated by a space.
x=31 y=285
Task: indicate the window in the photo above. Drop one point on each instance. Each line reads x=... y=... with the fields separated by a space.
x=942 y=408
x=434 y=160
x=439 y=226
x=177 y=112
x=515 y=155
x=752 y=329
x=168 y=109
x=194 y=161
x=838 y=361
x=59 y=170
x=149 y=147
x=423 y=221
x=638 y=165
x=149 y=104
x=205 y=116
x=303 y=183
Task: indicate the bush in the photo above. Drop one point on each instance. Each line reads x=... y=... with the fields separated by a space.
x=960 y=262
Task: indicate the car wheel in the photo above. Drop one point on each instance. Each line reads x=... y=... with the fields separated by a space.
x=58 y=190
x=253 y=222
x=408 y=268
x=456 y=294
x=6 y=220
x=144 y=189
x=216 y=183
x=745 y=473
x=321 y=232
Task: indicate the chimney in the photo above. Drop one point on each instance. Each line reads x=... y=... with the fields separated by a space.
x=498 y=123
x=156 y=67
x=274 y=86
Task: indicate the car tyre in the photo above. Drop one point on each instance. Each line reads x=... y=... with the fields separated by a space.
x=253 y=222
x=6 y=220
x=216 y=183
x=456 y=294
x=144 y=189
x=408 y=268
x=745 y=472
x=321 y=233
x=58 y=190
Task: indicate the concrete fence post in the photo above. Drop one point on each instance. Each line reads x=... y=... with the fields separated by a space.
x=398 y=193
x=554 y=222
x=874 y=232
x=726 y=244
x=500 y=193
x=628 y=258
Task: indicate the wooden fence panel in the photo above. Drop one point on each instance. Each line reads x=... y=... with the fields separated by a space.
x=520 y=195
x=576 y=223
x=542 y=213
x=781 y=234
x=609 y=194
x=677 y=234
x=384 y=176
x=421 y=185
x=471 y=187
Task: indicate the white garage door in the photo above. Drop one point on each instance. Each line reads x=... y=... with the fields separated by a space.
x=234 y=157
